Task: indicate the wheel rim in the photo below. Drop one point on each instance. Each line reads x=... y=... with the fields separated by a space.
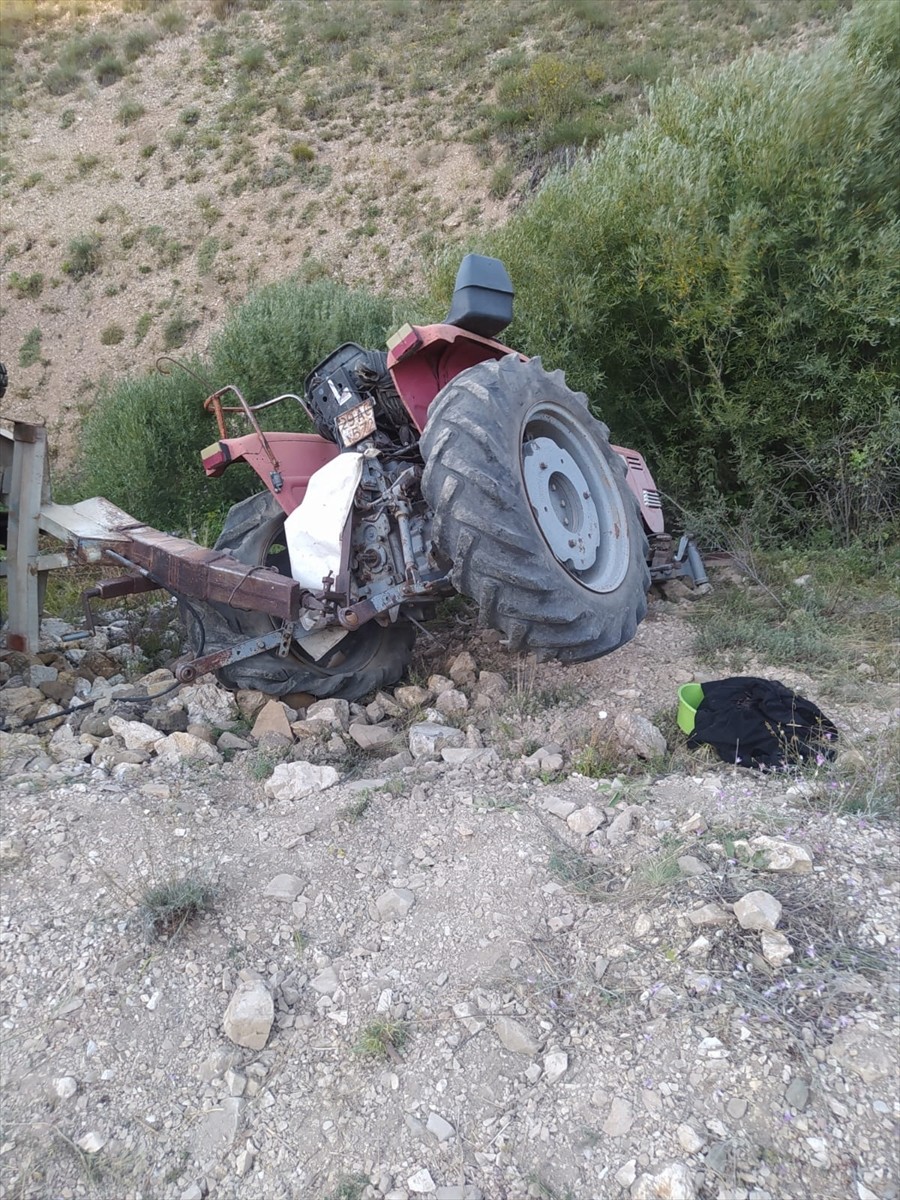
x=575 y=499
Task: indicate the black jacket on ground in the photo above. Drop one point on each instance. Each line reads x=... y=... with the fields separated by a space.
x=761 y=723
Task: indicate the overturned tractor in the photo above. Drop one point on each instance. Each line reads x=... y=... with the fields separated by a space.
x=448 y=464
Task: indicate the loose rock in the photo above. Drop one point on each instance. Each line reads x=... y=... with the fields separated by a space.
x=273 y=717
x=776 y=948
x=758 y=910
x=636 y=733
x=673 y=1182
x=284 y=887
x=394 y=904
x=585 y=820
x=293 y=781
x=516 y=1037
x=250 y=1013
x=782 y=856
x=619 y=1119
x=427 y=740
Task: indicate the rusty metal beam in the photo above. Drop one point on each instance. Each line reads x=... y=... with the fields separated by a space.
x=212 y=575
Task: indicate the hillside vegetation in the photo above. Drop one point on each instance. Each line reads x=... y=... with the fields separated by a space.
x=713 y=259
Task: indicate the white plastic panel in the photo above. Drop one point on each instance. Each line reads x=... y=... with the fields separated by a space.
x=313 y=530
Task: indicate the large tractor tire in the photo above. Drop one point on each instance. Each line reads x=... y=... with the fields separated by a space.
x=532 y=510
x=371 y=657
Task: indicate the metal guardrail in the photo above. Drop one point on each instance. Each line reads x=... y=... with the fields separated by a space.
x=94 y=531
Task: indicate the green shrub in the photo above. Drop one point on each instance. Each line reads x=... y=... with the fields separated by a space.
x=84 y=256
x=166 y=907
x=171 y=20
x=59 y=81
x=253 y=58
x=84 y=52
x=206 y=255
x=177 y=330
x=501 y=181
x=723 y=279
x=130 y=111
x=29 y=287
x=30 y=350
x=142 y=327
x=109 y=70
x=112 y=335
x=139 y=41
x=279 y=334
x=147 y=430
x=85 y=163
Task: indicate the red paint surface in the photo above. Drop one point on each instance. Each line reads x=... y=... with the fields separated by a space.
x=440 y=353
x=299 y=456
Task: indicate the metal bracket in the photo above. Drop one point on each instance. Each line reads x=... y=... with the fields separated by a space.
x=278 y=640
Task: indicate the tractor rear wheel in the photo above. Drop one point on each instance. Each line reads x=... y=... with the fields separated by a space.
x=365 y=659
x=532 y=510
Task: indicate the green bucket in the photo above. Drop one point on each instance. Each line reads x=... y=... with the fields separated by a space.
x=690 y=697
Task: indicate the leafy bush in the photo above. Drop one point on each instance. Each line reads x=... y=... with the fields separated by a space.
x=273 y=340
x=145 y=431
x=723 y=278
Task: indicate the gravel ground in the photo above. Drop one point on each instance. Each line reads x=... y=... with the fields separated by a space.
x=492 y=977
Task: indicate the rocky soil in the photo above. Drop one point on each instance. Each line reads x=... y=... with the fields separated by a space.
x=480 y=937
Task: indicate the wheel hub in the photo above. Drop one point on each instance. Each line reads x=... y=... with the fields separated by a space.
x=561 y=501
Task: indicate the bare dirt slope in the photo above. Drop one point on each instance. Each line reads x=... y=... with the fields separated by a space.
x=493 y=976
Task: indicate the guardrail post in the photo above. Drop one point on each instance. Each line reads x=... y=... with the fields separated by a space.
x=28 y=487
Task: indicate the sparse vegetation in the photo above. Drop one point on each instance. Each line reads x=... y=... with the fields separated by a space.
x=171 y=20
x=83 y=256
x=206 y=255
x=130 y=111
x=349 y=1187
x=142 y=327
x=112 y=335
x=30 y=350
x=262 y=763
x=177 y=329
x=28 y=287
x=383 y=1039
x=109 y=70
x=165 y=908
